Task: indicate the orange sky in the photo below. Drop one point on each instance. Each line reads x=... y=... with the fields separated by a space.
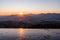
x=27 y=12
x=10 y=7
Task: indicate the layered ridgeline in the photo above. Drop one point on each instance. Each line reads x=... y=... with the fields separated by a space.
x=31 y=20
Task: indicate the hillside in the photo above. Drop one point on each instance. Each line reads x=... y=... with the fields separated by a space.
x=31 y=20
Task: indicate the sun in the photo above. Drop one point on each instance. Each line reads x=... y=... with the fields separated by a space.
x=21 y=13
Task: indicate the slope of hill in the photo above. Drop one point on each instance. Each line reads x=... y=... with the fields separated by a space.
x=31 y=20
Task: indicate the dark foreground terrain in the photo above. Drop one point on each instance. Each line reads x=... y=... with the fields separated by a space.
x=44 y=24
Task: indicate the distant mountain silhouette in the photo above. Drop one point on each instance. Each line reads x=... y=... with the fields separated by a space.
x=50 y=20
x=43 y=17
x=32 y=18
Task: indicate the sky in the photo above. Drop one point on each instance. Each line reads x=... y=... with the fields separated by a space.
x=31 y=6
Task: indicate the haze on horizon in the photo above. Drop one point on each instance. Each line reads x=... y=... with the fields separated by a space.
x=8 y=7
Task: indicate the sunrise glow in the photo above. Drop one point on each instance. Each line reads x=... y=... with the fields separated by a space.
x=21 y=14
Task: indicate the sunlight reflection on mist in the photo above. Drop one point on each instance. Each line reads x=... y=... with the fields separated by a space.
x=29 y=34
x=21 y=33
